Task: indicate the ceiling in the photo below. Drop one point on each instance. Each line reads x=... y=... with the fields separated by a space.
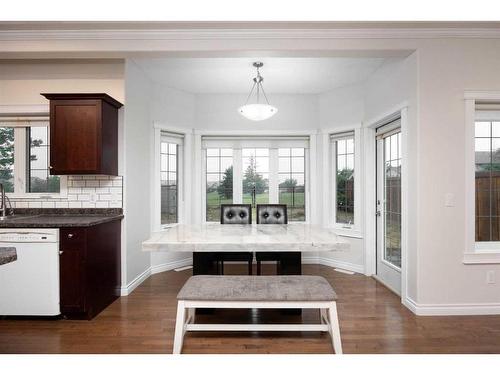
x=281 y=74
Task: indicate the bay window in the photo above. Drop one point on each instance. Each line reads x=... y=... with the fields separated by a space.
x=255 y=170
x=24 y=158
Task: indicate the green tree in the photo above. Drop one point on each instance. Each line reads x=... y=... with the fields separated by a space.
x=7 y=158
x=225 y=188
x=343 y=177
x=252 y=179
x=289 y=183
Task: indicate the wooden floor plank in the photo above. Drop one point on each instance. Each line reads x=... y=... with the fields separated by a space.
x=372 y=320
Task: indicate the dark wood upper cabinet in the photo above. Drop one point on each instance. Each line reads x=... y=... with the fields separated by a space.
x=83 y=134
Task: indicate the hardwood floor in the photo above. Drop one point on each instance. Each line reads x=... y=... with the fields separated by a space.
x=372 y=320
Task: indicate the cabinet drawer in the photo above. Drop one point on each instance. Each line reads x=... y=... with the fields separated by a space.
x=72 y=238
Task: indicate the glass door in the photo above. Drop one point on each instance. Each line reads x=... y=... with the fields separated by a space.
x=389 y=206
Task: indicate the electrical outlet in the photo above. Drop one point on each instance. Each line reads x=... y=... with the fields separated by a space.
x=490 y=277
x=93 y=197
x=449 y=200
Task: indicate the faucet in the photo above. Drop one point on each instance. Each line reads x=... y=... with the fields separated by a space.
x=3 y=203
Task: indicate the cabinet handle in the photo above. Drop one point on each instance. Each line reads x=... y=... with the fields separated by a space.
x=70 y=235
x=61 y=252
x=50 y=167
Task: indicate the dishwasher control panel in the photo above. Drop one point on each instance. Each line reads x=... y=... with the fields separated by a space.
x=29 y=235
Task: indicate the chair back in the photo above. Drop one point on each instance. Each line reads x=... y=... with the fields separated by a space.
x=272 y=214
x=236 y=214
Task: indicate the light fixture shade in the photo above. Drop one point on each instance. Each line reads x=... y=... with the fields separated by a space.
x=257 y=112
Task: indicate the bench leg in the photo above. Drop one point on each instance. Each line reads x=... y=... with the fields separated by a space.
x=179 y=327
x=334 y=328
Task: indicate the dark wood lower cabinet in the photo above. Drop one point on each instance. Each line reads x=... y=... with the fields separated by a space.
x=90 y=270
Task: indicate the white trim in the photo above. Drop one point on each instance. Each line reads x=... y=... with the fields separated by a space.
x=452 y=308
x=228 y=33
x=355 y=229
x=182 y=173
x=129 y=288
x=475 y=252
x=370 y=192
x=358 y=268
x=168 y=266
x=482 y=95
x=482 y=257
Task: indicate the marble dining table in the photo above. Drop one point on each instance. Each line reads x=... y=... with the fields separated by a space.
x=204 y=239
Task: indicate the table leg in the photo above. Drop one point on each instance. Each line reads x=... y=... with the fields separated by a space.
x=290 y=264
x=204 y=264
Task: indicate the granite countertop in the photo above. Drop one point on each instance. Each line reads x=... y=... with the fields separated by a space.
x=61 y=218
x=7 y=255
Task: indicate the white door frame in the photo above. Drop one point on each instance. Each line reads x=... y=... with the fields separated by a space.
x=401 y=111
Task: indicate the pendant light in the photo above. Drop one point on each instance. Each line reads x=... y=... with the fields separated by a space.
x=257 y=111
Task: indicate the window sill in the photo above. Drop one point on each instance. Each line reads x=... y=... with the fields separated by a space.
x=482 y=257
x=348 y=232
x=61 y=195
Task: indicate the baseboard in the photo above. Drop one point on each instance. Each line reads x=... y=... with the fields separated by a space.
x=171 y=265
x=452 y=309
x=358 y=268
x=129 y=288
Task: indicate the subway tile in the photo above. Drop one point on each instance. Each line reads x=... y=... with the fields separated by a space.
x=117 y=182
x=88 y=205
x=72 y=197
x=101 y=204
x=101 y=190
x=115 y=204
x=35 y=204
x=79 y=183
x=92 y=183
x=74 y=190
x=63 y=204
x=105 y=183
x=102 y=177
x=115 y=190
x=83 y=197
x=75 y=204
x=105 y=197
x=48 y=204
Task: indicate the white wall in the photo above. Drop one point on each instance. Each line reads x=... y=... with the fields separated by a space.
x=137 y=179
x=395 y=84
x=219 y=112
x=446 y=70
x=176 y=109
x=339 y=110
x=22 y=83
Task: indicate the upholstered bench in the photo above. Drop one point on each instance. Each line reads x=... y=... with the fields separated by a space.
x=263 y=292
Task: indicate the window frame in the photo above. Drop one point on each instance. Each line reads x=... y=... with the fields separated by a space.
x=21 y=160
x=273 y=142
x=475 y=252
x=344 y=229
x=180 y=137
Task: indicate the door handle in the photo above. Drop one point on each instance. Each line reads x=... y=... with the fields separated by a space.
x=377 y=213
x=61 y=252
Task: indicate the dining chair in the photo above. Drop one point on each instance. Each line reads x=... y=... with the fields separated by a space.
x=235 y=214
x=270 y=214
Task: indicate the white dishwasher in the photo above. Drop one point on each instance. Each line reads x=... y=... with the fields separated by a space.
x=30 y=285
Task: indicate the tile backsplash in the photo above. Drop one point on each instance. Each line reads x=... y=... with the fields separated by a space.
x=83 y=192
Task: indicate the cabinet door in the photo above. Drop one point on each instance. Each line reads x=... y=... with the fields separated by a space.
x=72 y=270
x=75 y=136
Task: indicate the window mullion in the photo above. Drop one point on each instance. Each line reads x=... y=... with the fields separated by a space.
x=273 y=176
x=237 y=176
